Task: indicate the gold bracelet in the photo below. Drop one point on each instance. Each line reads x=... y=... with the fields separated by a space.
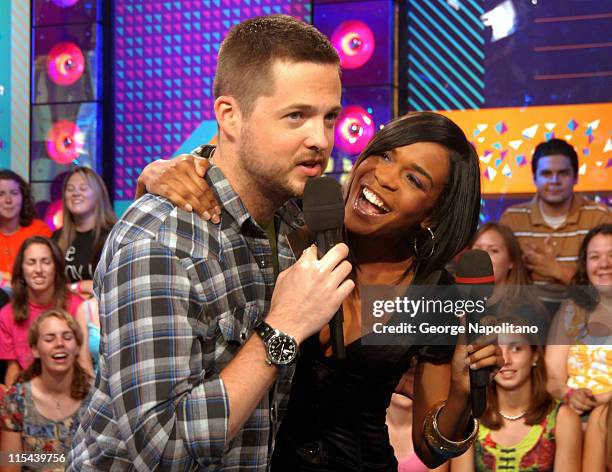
x=440 y=444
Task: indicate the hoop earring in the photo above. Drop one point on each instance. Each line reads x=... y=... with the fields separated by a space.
x=433 y=244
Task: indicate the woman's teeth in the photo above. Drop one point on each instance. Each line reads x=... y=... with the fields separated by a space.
x=374 y=200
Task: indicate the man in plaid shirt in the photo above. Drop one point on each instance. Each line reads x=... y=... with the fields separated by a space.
x=183 y=385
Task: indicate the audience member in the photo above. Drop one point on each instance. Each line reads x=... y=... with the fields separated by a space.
x=88 y=218
x=39 y=415
x=598 y=440
x=513 y=292
x=87 y=317
x=399 y=424
x=523 y=427
x=552 y=225
x=579 y=351
x=17 y=219
x=39 y=284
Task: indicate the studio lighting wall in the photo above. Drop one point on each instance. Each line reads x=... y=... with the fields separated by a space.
x=66 y=95
x=363 y=34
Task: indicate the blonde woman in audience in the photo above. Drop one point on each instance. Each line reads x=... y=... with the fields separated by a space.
x=579 y=351
x=523 y=427
x=38 y=285
x=598 y=440
x=39 y=415
x=88 y=218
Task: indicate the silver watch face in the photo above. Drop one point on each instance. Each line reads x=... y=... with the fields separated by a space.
x=282 y=349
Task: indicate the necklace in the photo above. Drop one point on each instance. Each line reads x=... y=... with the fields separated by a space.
x=513 y=418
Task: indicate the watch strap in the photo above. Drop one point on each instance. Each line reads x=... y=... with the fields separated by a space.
x=264 y=330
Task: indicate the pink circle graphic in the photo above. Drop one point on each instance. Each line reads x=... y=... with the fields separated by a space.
x=354 y=129
x=54 y=215
x=65 y=63
x=354 y=41
x=64 y=142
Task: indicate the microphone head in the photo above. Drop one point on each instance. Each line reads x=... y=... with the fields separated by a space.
x=323 y=204
x=475 y=270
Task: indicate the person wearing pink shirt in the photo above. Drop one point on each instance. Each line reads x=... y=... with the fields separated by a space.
x=39 y=284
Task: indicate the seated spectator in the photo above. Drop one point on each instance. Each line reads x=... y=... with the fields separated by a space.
x=513 y=293
x=89 y=322
x=17 y=222
x=598 y=440
x=523 y=427
x=39 y=284
x=40 y=413
x=88 y=218
x=552 y=225
x=399 y=424
x=579 y=351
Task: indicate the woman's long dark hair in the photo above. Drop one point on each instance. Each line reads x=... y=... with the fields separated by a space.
x=455 y=215
x=541 y=402
x=28 y=211
x=19 y=300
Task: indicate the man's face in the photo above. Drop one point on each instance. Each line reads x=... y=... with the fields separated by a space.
x=289 y=135
x=555 y=179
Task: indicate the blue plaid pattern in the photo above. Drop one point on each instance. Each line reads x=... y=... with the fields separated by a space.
x=178 y=297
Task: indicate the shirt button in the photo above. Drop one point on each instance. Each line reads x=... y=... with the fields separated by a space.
x=262 y=263
x=243 y=334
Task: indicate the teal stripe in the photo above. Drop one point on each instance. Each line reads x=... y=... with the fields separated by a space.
x=443 y=33
x=476 y=51
x=476 y=21
x=429 y=105
x=453 y=70
x=426 y=87
x=434 y=80
x=413 y=105
x=478 y=7
x=450 y=81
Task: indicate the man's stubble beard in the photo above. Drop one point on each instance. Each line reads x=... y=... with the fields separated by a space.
x=274 y=180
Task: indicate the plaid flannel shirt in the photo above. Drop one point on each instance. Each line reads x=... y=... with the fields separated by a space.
x=178 y=297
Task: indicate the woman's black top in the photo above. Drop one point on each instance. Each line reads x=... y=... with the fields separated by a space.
x=335 y=419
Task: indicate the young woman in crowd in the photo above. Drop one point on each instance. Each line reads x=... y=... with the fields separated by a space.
x=17 y=219
x=39 y=284
x=512 y=283
x=39 y=415
x=523 y=427
x=88 y=218
x=579 y=351
x=412 y=203
x=598 y=440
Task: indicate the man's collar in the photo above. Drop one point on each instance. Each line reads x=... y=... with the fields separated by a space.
x=572 y=217
x=231 y=202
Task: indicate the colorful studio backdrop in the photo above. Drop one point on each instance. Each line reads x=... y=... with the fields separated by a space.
x=512 y=73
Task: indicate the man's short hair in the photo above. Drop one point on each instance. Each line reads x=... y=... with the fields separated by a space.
x=552 y=147
x=251 y=47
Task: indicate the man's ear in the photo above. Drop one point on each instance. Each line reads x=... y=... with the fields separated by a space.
x=229 y=118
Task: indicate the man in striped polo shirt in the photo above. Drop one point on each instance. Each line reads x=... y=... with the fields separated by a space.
x=552 y=225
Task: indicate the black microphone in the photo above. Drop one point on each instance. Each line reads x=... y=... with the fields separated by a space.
x=475 y=279
x=323 y=208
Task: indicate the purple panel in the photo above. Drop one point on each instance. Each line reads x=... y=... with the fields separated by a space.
x=378 y=102
x=86 y=41
x=64 y=12
x=378 y=16
x=85 y=116
x=165 y=60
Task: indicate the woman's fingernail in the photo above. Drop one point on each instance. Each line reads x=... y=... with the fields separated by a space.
x=188 y=207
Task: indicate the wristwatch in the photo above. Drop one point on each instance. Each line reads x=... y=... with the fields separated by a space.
x=281 y=348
